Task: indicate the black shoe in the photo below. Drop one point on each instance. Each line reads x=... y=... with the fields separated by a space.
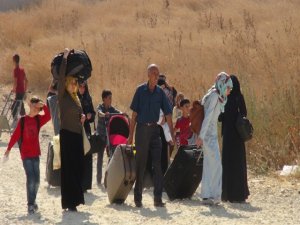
x=239 y=202
x=159 y=203
x=30 y=209
x=72 y=209
x=138 y=204
x=35 y=206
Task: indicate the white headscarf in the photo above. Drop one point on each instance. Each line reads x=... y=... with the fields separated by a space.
x=222 y=82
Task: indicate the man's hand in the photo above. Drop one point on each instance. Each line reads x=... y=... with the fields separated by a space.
x=199 y=142
x=130 y=140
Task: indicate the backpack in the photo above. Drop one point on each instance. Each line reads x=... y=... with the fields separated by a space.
x=22 y=123
x=78 y=64
x=196 y=117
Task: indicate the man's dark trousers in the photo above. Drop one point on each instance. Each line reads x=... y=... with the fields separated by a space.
x=18 y=103
x=147 y=140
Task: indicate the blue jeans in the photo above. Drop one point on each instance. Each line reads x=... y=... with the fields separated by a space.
x=32 y=170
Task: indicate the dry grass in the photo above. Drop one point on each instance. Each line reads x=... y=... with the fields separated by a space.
x=191 y=40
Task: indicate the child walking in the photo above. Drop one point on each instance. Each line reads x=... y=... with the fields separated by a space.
x=27 y=134
x=183 y=123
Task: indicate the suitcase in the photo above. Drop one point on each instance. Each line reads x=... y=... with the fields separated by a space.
x=185 y=173
x=52 y=176
x=120 y=174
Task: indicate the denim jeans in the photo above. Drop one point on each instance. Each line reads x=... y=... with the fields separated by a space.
x=32 y=170
x=99 y=165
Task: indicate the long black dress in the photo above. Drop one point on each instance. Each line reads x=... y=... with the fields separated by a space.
x=71 y=146
x=87 y=107
x=234 y=182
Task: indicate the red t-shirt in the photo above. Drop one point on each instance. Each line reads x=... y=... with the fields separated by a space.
x=30 y=147
x=183 y=123
x=20 y=75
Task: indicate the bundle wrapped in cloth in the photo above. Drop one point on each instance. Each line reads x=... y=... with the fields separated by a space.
x=78 y=65
x=196 y=117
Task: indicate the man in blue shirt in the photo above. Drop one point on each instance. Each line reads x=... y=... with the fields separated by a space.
x=146 y=104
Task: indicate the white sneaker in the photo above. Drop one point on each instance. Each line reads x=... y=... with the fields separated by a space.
x=216 y=201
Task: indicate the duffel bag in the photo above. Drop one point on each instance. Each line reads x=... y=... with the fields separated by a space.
x=78 y=64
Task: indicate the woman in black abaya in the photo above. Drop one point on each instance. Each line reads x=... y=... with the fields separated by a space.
x=89 y=112
x=234 y=180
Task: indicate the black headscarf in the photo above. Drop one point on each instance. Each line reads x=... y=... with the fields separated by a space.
x=236 y=90
x=86 y=101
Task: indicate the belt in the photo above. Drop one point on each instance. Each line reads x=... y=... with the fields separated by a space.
x=149 y=124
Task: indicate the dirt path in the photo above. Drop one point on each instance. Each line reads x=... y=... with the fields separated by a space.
x=273 y=200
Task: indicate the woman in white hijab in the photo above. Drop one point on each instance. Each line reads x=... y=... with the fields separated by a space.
x=214 y=102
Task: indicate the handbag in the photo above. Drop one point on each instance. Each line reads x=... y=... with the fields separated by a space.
x=97 y=143
x=244 y=128
x=86 y=142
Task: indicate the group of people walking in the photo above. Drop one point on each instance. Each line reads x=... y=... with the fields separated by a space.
x=155 y=106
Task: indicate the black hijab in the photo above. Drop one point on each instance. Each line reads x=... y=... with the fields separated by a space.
x=236 y=90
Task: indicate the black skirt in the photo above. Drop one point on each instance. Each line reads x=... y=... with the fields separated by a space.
x=88 y=172
x=72 y=169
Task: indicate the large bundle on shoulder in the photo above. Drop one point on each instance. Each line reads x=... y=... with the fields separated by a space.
x=78 y=64
x=196 y=117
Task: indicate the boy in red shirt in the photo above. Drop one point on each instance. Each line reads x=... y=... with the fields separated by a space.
x=27 y=133
x=19 y=88
x=183 y=123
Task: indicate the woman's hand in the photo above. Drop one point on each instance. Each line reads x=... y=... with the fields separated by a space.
x=83 y=118
x=199 y=142
x=89 y=116
x=66 y=53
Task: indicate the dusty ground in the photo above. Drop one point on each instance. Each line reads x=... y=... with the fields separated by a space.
x=273 y=200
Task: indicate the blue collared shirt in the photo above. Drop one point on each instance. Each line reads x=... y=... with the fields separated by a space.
x=147 y=104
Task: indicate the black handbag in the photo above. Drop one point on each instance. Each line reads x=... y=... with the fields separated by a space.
x=244 y=128
x=97 y=142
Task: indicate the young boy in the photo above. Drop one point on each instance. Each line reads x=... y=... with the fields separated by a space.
x=104 y=110
x=183 y=123
x=27 y=134
x=19 y=88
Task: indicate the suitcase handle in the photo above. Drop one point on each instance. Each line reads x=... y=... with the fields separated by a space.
x=200 y=156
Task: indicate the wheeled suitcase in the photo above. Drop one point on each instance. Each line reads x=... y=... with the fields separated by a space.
x=185 y=173
x=52 y=176
x=120 y=174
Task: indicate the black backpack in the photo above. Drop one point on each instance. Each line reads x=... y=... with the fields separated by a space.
x=78 y=64
x=22 y=122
